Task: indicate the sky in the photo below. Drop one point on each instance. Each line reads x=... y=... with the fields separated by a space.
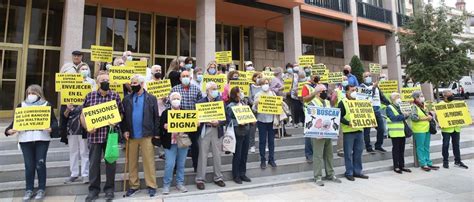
x=452 y=3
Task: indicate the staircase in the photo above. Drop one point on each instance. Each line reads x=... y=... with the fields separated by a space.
x=289 y=154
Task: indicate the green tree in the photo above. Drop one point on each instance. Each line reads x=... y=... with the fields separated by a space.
x=433 y=55
x=357 y=68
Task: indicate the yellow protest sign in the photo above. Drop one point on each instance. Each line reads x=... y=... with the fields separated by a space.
x=335 y=77
x=287 y=84
x=67 y=78
x=268 y=74
x=210 y=111
x=322 y=71
x=224 y=57
x=159 y=89
x=118 y=88
x=32 y=118
x=244 y=86
x=453 y=114
x=138 y=66
x=270 y=105
x=101 y=115
x=243 y=114
x=182 y=121
x=300 y=88
x=219 y=79
x=306 y=60
x=120 y=75
x=75 y=95
x=406 y=93
x=374 y=68
x=101 y=53
x=361 y=114
x=388 y=87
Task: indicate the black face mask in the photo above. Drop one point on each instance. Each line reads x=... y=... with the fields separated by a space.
x=105 y=86
x=316 y=80
x=323 y=95
x=450 y=98
x=137 y=88
x=157 y=75
x=346 y=72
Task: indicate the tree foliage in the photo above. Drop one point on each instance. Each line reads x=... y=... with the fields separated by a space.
x=357 y=68
x=433 y=55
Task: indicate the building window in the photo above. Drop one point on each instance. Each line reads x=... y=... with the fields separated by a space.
x=12 y=13
x=275 y=41
x=171 y=36
x=338 y=49
x=366 y=52
x=160 y=35
x=235 y=43
x=307 y=45
x=46 y=15
x=329 y=48
x=246 y=44
x=89 y=26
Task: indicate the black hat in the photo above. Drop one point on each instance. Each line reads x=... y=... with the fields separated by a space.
x=76 y=52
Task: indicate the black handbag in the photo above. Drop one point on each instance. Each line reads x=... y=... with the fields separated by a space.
x=407 y=130
x=433 y=130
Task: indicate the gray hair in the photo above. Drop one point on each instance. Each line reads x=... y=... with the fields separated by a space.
x=174 y=94
x=210 y=84
x=393 y=95
x=416 y=94
x=34 y=88
x=138 y=77
x=155 y=67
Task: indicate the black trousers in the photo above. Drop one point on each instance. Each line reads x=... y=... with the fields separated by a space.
x=194 y=148
x=445 y=151
x=239 y=161
x=96 y=152
x=398 y=152
x=297 y=111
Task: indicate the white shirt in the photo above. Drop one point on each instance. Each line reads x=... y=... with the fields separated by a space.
x=72 y=68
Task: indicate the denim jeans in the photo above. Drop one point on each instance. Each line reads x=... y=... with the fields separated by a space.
x=34 y=155
x=174 y=155
x=456 y=151
x=265 y=132
x=353 y=143
x=308 y=148
x=239 y=161
x=380 y=132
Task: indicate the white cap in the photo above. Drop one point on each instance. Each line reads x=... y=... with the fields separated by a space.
x=248 y=63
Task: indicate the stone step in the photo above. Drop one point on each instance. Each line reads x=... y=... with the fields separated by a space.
x=55 y=186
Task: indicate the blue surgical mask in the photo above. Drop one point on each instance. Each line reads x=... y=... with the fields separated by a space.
x=199 y=78
x=345 y=83
x=214 y=94
x=185 y=81
x=368 y=80
x=307 y=70
x=289 y=70
x=188 y=66
x=212 y=71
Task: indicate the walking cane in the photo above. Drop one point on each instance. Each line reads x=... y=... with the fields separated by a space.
x=125 y=172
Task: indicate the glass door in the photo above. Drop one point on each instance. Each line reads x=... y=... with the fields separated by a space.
x=10 y=91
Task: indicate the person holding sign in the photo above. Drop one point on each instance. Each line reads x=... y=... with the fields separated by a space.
x=241 y=131
x=337 y=95
x=157 y=76
x=86 y=74
x=451 y=133
x=309 y=95
x=377 y=98
x=255 y=88
x=190 y=95
x=353 y=138
x=140 y=126
x=396 y=131
x=210 y=134
x=265 y=127
x=297 y=113
x=321 y=147
x=74 y=66
x=231 y=76
x=97 y=138
x=34 y=143
x=174 y=155
x=197 y=79
x=420 y=123
x=350 y=77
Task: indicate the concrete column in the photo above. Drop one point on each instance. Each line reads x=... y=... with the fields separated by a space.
x=351 y=36
x=292 y=35
x=205 y=32
x=394 y=62
x=73 y=21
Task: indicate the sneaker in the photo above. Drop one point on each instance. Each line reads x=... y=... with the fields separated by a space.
x=40 y=194
x=252 y=149
x=166 y=190
x=85 y=180
x=446 y=165
x=151 y=192
x=70 y=180
x=272 y=163
x=131 y=192
x=333 y=179
x=319 y=182
x=263 y=165
x=28 y=195
x=461 y=165
x=382 y=150
x=181 y=188
x=370 y=151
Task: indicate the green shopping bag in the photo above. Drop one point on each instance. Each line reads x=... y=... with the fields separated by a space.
x=112 y=148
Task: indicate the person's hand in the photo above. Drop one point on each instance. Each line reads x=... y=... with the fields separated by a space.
x=429 y=117
x=376 y=84
x=126 y=135
x=214 y=123
x=406 y=114
x=165 y=126
x=48 y=130
x=111 y=124
x=12 y=132
x=92 y=131
x=70 y=107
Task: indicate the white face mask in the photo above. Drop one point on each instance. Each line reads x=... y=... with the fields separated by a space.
x=354 y=95
x=265 y=87
x=176 y=103
x=242 y=96
x=32 y=98
x=398 y=101
x=422 y=99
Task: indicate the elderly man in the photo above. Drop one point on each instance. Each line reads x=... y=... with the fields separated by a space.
x=75 y=65
x=350 y=77
x=97 y=139
x=210 y=134
x=377 y=98
x=191 y=94
x=451 y=133
x=249 y=66
x=140 y=125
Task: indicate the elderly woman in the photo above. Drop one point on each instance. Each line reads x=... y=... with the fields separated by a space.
x=231 y=76
x=173 y=154
x=34 y=144
x=421 y=131
x=254 y=89
x=86 y=74
x=396 y=132
x=265 y=127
